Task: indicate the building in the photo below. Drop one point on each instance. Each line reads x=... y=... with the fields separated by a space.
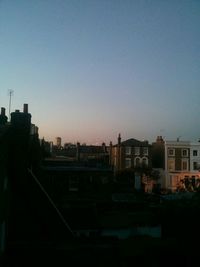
x=3 y=179
x=96 y=155
x=92 y=155
x=61 y=178
x=31 y=224
x=58 y=142
x=131 y=161
x=182 y=162
x=195 y=156
x=131 y=154
x=158 y=153
x=24 y=206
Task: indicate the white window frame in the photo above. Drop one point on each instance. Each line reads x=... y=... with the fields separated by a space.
x=173 y=152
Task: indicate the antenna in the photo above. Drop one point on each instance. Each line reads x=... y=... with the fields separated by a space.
x=10 y=93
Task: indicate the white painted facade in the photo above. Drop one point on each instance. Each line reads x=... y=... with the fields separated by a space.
x=195 y=156
x=189 y=163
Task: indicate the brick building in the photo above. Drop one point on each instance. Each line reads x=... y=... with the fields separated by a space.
x=130 y=154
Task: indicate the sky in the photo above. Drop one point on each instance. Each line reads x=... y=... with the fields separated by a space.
x=90 y=69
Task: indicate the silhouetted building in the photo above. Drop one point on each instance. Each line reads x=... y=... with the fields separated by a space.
x=130 y=154
x=25 y=208
x=33 y=228
x=3 y=117
x=90 y=155
x=158 y=153
x=97 y=155
x=61 y=178
x=58 y=142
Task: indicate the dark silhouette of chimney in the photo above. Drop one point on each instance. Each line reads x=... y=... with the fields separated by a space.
x=3 y=117
x=110 y=153
x=159 y=139
x=119 y=139
x=26 y=108
x=3 y=111
x=21 y=120
x=104 y=147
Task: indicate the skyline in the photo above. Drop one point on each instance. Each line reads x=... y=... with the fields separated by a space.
x=103 y=68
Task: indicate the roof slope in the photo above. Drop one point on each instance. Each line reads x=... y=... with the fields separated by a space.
x=134 y=142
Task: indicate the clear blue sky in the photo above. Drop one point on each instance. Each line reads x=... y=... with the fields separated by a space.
x=90 y=69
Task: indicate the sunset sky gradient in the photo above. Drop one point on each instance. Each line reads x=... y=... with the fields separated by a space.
x=90 y=69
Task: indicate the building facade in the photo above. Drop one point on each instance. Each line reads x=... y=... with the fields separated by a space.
x=182 y=164
x=131 y=154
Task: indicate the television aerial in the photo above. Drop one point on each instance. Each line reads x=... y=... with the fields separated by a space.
x=10 y=93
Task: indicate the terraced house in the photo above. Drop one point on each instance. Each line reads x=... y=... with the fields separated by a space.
x=182 y=165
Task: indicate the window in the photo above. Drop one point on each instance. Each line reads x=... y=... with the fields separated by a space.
x=195 y=166
x=144 y=162
x=195 y=153
x=137 y=151
x=137 y=162
x=171 y=152
x=127 y=163
x=128 y=150
x=184 y=152
x=184 y=165
x=171 y=165
x=145 y=150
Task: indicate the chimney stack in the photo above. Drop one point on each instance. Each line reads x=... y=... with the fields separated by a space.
x=119 y=139
x=159 y=139
x=3 y=117
x=104 y=147
x=3 y=111
x=26 y=108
